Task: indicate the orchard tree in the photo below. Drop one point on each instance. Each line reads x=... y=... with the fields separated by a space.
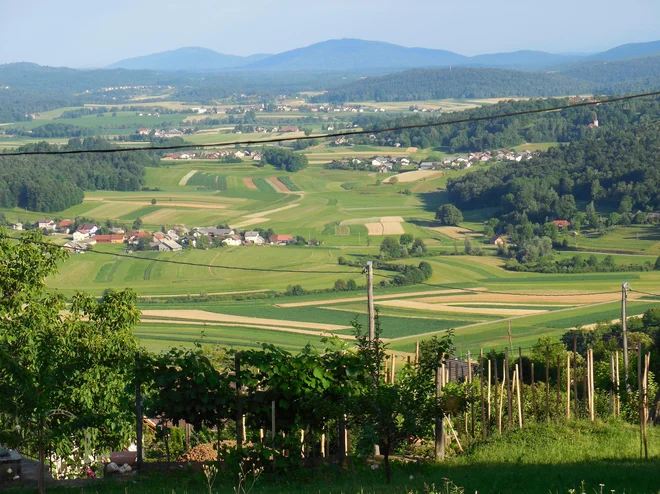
x=450 y=215
x=64 y=368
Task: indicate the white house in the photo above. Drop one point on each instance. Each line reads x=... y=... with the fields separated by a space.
x=79 y=236
x=17 y=226
x=232 y=240
x=254 y=237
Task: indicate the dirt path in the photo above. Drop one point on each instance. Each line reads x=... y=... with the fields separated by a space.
x=201 y=315
x=364 y=299
x=271 y=211
x=251 y=326
x=249 y=183
x=187 y=177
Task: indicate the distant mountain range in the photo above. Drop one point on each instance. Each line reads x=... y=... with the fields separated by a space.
x=192 y=59
x=356 y=54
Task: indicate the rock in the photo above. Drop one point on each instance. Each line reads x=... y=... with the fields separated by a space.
x=111 y=467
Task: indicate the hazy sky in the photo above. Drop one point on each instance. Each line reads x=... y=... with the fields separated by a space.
x=94 y=33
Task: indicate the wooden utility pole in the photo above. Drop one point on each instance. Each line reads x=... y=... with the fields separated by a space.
x=624 y=329
x=138 y=412
x=370 y=300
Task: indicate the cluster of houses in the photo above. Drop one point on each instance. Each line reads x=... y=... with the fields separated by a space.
x=348 y=109
x=388 y=164
x=173 y=240
x=143 y=131
x=266 y=130
x=214 y=155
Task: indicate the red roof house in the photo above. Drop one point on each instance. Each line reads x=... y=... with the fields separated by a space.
x=562 y=223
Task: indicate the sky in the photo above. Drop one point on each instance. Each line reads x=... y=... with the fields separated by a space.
x=94 y=33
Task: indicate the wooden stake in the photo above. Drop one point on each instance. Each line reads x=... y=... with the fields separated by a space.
x=509 y=397
x=576 y=407
x=612 y=405
x=499 y=415
x=370 y=301
x=239 y=401
x=547 y=388
x=417 y=352
x=534 y=410
x=469 y=361
x=520 y=414
x=640 y=390
x=481 y=389
x=618 y=384
x=453 y=431
x=568 y=386
x=323 y=445
x=592 y=412
x=393 y=367
x=645 y=402
x=439 y=425
x=498 y=409
x=558 y=387
x=489 y=398
x=521 y=382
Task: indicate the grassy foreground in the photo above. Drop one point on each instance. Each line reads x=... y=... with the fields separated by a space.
x=541 y=459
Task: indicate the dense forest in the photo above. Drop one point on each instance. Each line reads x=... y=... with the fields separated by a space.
x=456 y=82
x=611 y=77
x=560 y=126
x=54 y=183
x=616 y=169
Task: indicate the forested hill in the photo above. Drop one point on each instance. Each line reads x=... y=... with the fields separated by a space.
x=619 y=169
x=54 y=183
x=562 y=126
x=456 y=82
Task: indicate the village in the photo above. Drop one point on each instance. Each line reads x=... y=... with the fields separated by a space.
x=391 y=164
x=84 y=236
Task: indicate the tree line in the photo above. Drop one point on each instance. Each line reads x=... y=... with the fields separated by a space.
x=561 y=126
x=615 y=168
x=54 y=183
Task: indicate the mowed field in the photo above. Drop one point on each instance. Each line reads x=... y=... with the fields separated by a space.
x=349 y=213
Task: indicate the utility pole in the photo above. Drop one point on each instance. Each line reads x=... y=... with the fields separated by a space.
x=624 y=329
x=370 y=300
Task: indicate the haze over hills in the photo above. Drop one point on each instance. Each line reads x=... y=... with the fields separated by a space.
x=189 y=59
x=356 y=54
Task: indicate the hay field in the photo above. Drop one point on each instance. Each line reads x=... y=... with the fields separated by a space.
x=414 y=176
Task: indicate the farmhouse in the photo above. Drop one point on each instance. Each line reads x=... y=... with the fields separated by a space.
x=110 y=239
x=232 y=240
x=562 y=223
x=76 y=247
x=497 y=240
x=45 y=225
x=212 y=232
x=165 y=245
x=281 y=239
x=254 y=237
x=17 y=226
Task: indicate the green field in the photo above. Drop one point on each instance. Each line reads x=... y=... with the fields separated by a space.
x=336 y=208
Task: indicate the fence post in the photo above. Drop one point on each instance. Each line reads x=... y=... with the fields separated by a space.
x=520 y=408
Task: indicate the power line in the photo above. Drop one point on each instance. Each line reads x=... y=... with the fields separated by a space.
x=272 y=270
x=185 y=263
x=336 y=134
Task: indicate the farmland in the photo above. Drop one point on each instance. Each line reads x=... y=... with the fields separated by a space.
x=348 y=213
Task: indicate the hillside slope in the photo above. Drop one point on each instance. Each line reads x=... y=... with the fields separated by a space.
x=192 y=59
x=458 y=82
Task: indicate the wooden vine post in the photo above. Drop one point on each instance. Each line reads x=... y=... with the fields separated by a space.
x=509 y=397
x=239 y=401
x=547 y=387
x=481 y=389
x=439 y=424
x=498 y=406
x=576 y=407
x=558 y=387
x=568 y=386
